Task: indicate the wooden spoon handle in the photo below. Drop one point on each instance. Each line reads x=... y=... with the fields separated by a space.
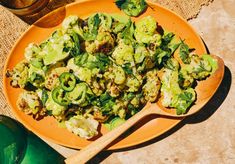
x=95 y=147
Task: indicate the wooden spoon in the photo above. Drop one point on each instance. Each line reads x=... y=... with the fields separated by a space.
x=205 y=92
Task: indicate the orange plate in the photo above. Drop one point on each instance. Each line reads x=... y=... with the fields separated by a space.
x=41 y=30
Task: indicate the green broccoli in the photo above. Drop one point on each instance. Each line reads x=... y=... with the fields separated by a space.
x=133 y=84
x=32 y=55
x=60 y=46
x=19 y=74
x=81 y=126
x=104 y=43
x=172 y=64
x=30 y=103
x=123 y=53
x=183 y=100
x=145 y=29
x=186 y=79
x=132 y=7
x=140 y=53
x=173 y=95
x=201 y=67
x=152 y=87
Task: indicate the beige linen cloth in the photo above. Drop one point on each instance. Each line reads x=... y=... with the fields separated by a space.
x=11 y=27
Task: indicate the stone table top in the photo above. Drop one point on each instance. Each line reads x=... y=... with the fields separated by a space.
x=208 y=136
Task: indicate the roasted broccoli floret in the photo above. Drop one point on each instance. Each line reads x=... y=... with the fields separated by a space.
x=170 y=86
x=201 y=68
x=99 y=116
x=183 y=101
x=104 y=43
x=145 y=30
x=186 y=79
x=123 y=53
x=98 y=86
x=120 y=75
x=141 y=53
x=30 y=103
x=173 y=95
x=113 y=90
x=147 y=64
x=172 y=64
x=133 y=84
x=32 y=55
x=19 y=74
x=52 y=78
x=119 y=109
x=84 y=127
x=152 y=87
x=132 y=7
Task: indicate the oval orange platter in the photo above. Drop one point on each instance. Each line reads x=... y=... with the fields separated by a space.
x=48 y=127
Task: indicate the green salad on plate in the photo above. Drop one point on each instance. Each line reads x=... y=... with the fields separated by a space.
x=104 y=69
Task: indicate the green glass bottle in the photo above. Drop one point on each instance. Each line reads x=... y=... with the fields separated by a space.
x=17 y=145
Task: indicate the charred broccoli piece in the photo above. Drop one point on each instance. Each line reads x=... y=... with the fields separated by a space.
x=132 y=7
x=201 y=68
x=183 y=100
x=173 y=95
x=145 y=29
x=83 y=127
x=123 y=53
x=29 y=102
x=172 y=64
x=186 y=80
x=19 y=74
x=104 y=43
x=52 y=78
x=152 y=87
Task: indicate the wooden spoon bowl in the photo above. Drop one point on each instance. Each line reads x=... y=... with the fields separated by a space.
x=205 y=90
